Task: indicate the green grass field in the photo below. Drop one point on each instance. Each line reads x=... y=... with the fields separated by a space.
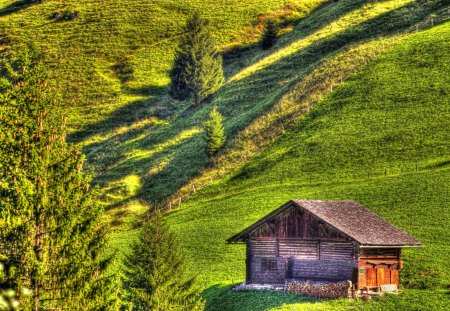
x=391 y=116
x=350 y=103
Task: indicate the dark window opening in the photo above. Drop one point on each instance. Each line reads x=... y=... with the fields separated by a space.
x=268 y=264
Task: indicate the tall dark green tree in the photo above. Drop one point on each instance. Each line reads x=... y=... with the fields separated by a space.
x=270 y=35
x=49 y=220
x=214 y=132
x=156 y=271
x=197 y=71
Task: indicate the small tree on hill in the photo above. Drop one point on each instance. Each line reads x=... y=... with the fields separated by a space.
x=197 y=71
x=156 y=271
x=50 y=233
x=270 y=35
x=214 y=132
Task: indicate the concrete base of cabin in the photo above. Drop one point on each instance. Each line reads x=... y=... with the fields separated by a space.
x=321 y=289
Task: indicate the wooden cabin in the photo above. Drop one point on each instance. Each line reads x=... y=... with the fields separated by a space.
x=324 y=241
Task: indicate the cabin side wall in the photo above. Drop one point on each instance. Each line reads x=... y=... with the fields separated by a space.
x=273 y=260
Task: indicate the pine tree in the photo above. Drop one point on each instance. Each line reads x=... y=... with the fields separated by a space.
x=49 y=222
x=197 y=70
x=270 y=35
x=156 y=271
x=214 y=132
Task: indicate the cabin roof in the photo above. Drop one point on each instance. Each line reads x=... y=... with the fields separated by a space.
x=349 y=217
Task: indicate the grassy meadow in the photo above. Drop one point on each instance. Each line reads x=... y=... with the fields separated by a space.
x=351 y=103
x=380 y=138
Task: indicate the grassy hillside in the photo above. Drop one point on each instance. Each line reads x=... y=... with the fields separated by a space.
x=85 y=54
x=381 y=138
x=142 y=145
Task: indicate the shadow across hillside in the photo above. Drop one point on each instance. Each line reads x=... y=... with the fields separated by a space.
x=165 y=160
x=127 y=114
x=222 y=298
x=16 y=7
x=240 y=56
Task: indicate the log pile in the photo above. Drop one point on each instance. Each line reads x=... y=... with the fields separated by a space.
x=320 y=289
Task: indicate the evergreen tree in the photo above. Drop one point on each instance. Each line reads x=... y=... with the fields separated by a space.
x=197 y=70
x=270 y=35
x=214 y=132
x=156 y=271
x=49 y=222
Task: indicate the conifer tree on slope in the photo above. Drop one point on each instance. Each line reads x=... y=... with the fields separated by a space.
x=156 y=271
x=49 y=221
x=214 y=132
x=197 y=72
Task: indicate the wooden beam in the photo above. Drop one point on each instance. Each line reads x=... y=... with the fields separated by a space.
x=318 y=248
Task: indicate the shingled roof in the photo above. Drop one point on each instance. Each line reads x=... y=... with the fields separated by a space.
x=349 y=217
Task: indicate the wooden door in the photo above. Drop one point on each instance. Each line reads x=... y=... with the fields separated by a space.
x=394 y=276
x=371 y=276
x=380 y=276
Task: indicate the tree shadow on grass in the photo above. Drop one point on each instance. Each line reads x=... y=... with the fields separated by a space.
x=222 y=298
x=240 y=56
x=148 y=90
x=240 y=101
x=128 y=114
x=16 y=7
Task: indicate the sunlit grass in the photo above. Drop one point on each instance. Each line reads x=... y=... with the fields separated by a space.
x=352 y=19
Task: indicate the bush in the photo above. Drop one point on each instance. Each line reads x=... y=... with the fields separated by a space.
x=214 y=132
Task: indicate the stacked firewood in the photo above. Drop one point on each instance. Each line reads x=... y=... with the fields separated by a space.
x=320 y=289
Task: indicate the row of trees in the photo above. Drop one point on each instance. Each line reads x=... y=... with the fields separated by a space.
x=52 y=242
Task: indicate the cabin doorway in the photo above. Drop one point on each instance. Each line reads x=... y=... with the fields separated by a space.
x=380 y=275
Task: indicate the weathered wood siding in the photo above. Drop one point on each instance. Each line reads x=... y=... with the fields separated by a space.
x=265 y=270
x=314 y=249
x=305 y=249
x=333 y=270
x=263 y=247
x=297 y=223
x=298 y=258
x=336 y=251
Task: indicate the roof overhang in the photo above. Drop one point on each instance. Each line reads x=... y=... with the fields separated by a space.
x=391 y=246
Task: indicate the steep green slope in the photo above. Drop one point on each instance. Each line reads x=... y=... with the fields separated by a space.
x=85 y=54
x=142 y=145
x=381 y=138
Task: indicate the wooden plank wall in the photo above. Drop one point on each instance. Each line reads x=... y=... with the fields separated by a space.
x=301 y=248
x=276 y=275
x=297 y=223
x=336 y=251
x=297 y=248
x=263 y=247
